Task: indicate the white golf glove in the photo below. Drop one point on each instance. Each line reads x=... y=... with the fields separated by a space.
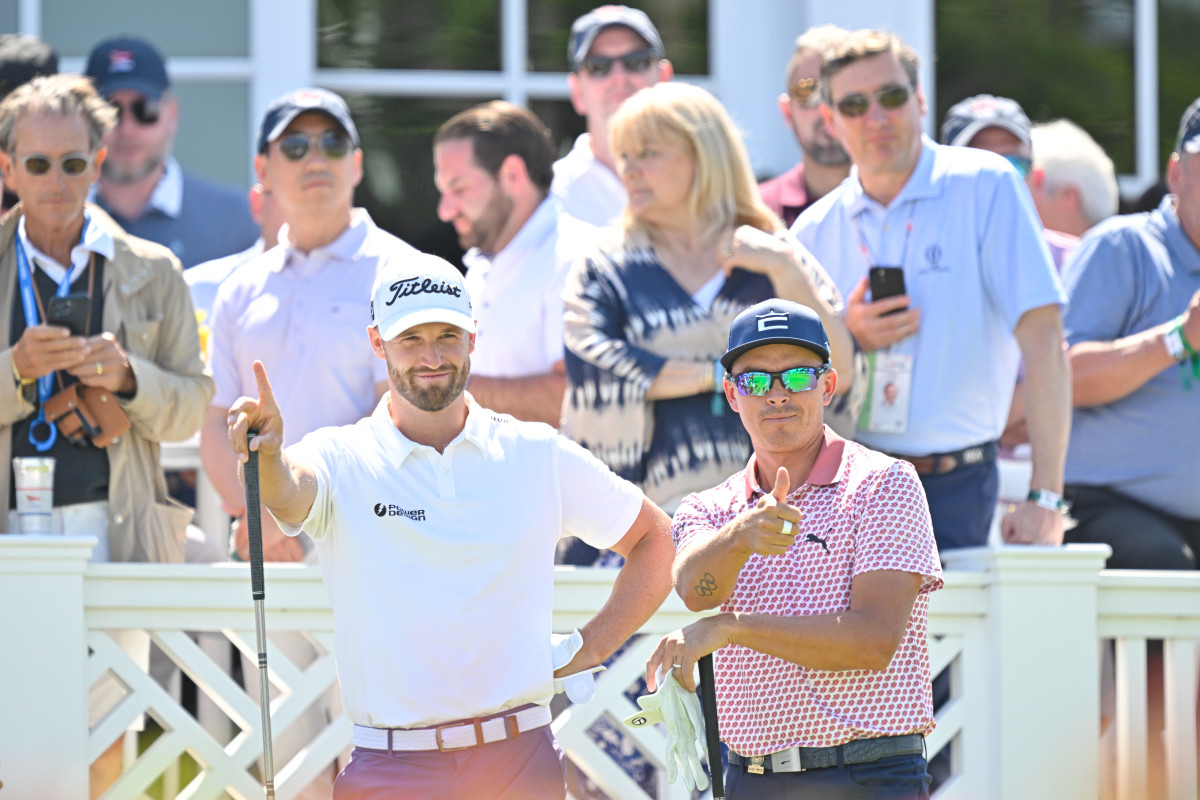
x=579 y=686
x=679 y=709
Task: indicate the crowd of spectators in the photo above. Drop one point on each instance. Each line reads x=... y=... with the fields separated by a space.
x=1029 y=320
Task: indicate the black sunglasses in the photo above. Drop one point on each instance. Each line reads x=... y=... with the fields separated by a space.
x=599 y=66
x=72 y=165
x=804 y=93
x=332 y=144
x=796 y=379
x=889 y=97
x=145 y=112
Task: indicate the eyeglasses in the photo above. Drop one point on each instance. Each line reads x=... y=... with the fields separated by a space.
x=72 y=165
x=144 y=112
x=332 y=144
x=859 y=103
x=796 y=379
x=600 y=66
x=1022 y=164
x=804 y=93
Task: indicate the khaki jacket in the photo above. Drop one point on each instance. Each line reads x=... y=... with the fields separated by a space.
x=148 y=308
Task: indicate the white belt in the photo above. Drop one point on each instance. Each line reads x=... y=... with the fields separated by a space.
x=456 y=735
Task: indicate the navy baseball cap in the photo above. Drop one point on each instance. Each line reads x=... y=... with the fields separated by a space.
x=301 y=101
x=1188 y=140
x=968 y=117
x=127 y=63
x=23 y=58
x=775 y=322
x=585 y=30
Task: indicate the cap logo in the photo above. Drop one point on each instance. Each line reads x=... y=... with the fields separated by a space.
x=121 y=61
x=772 y=320
x=410 y=286
x=307 y=97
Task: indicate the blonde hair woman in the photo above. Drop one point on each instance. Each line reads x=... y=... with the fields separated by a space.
x=648 y=311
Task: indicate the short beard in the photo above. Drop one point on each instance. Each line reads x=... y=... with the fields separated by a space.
x=132 y=175
x=430 y=398
x=828 y=155
x=486 y=230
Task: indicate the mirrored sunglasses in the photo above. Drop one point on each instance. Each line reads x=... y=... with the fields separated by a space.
x=143 y=111
x=804 y=93
x=858 y=103
x=332 y=144
x=796 y=379
x=1022 y=164
x=72 y=165
x=600 y=66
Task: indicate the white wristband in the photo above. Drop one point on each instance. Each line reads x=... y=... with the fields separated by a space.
x=1173 y=340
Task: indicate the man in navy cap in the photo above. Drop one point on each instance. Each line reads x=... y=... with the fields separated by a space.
x=820 y=558
x=302 y=309
x=142 y=186
x=613 y=51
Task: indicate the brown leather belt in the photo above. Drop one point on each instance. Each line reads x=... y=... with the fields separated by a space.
x=941 y=463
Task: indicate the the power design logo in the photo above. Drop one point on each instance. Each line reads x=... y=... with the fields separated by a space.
x=389 y=510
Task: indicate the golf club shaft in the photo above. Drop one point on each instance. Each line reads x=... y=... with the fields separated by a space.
x=708 y=701
x=259 y=593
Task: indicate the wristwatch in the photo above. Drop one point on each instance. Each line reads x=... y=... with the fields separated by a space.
x=1051 y=501
x=21 y=381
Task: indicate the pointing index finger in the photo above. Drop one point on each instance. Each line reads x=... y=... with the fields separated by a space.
x=265 y=395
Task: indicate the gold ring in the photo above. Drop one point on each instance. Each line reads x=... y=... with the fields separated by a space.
x=99 y=368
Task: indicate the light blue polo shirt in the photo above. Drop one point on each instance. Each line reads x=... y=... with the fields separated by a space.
x=975 y=259
x=1131 y=273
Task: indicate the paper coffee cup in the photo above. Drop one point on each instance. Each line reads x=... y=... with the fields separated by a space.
x=34 y=481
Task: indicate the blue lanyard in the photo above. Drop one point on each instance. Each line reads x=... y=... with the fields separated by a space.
x=45 y=384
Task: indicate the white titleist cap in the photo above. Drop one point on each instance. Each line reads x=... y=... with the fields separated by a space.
x=416 y=289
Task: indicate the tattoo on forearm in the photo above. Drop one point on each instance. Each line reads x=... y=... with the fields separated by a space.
x=707 y=585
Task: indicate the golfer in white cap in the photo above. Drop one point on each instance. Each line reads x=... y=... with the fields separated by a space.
x=435 y=521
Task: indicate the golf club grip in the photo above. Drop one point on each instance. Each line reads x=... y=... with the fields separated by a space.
x=254 y=527
x=708 y=701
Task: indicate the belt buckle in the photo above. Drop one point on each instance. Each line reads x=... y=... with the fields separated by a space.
x=781 y=761
x=444 y=748
x=754 y=765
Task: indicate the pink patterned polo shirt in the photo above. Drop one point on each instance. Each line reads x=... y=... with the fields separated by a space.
x=863 y=511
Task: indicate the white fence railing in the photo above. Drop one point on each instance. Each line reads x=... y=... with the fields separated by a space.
x=1022 y=631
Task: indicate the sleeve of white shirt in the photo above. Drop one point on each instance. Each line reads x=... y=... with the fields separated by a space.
x=597 y=506
x=319 y=451
x=1018 y=271
x=222 y=349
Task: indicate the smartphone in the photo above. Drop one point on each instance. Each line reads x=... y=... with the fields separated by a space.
x=71 y=312
x=887 y=282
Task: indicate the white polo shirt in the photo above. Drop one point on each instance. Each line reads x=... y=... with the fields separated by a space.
x=305 y=316
x=975 y=259
x=440 y=567
x=588 y=189
x=517 y=294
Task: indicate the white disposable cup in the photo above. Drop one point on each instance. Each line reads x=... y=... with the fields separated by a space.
x=35 y=493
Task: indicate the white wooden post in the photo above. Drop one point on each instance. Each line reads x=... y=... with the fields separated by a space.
x=1044 y=691
x=43 y=655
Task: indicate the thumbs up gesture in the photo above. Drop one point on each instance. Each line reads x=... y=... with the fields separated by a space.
x=770 y=527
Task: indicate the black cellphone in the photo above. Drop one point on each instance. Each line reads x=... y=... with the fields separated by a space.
x=887 y=282
x=71 y=312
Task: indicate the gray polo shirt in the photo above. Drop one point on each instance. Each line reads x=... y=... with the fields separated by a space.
x=1132 y=273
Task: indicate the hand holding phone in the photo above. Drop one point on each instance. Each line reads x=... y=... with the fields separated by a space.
x=70 y=311
x=887 y=282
